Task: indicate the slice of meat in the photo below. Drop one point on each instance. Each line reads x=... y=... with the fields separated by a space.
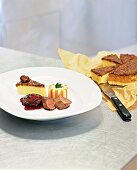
x=32 y=100
x=48 y=103
x=63 y=99
x=62 y=103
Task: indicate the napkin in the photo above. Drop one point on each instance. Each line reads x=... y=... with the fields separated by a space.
x=126 y=95
x=83 y=64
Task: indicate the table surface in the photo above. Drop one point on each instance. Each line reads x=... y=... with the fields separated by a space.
x=97 y=139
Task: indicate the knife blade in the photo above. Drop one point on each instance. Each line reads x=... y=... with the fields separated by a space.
x=121 y=109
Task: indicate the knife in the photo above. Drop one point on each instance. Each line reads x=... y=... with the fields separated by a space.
x=121 y=109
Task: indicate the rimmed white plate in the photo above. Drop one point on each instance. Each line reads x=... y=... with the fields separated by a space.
x=83 y=92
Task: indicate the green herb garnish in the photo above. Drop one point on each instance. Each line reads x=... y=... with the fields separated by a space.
x=58 y=85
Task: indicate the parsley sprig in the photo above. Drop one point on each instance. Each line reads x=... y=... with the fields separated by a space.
x=58 y=85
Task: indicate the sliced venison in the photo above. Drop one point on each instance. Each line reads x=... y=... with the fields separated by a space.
x=63 y=99
x=62 y=103
x=48 y=103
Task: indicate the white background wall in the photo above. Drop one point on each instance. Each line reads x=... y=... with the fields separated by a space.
x=85 y=26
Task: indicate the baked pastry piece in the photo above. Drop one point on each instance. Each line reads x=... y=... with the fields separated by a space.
x=58 y=89
x=111 y=60
x=28 y=86
x=124 y=74
x=100 y=75
x=127 y=57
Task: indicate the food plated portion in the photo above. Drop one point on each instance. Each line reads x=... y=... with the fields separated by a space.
x=62 y=102
x=36 y=95
x=35 y=101
x=28 y=86
x=32 y=101
x=58 y=89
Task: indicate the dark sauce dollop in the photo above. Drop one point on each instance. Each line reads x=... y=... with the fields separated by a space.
x=32 y=102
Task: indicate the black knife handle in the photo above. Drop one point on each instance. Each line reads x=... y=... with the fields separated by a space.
x=122 y=111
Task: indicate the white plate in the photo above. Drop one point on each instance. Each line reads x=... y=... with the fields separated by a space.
x=83 y=92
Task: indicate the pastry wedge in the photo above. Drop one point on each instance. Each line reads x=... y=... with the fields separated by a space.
x=100 y=75
x=28 y=86
x=111 y=60
x=127 y=57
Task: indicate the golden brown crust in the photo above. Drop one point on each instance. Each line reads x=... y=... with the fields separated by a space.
x=112 y=58
x=29 y=82
x=129 y=68
x=127 y=57
x=103 y=70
